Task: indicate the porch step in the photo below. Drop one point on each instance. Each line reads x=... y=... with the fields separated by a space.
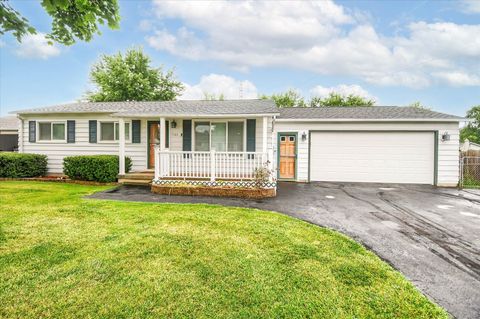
x=139 y=176
x=126 y=181
x=136 y=178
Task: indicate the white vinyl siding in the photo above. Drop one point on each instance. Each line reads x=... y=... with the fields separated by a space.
x=448 y=151
x=57 y=151
x=136 y=151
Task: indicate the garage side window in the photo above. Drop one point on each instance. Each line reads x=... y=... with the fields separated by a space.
x=52 y=131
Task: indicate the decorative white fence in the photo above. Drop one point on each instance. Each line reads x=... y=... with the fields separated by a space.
x=209 y=165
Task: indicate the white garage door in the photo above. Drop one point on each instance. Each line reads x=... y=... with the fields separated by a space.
x=383 y=157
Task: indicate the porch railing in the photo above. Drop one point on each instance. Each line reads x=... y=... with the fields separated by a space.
x=209 y=165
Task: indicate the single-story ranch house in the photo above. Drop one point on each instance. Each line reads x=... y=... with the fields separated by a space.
x=227 y=140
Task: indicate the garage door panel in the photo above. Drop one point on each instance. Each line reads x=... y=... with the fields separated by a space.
x=385 y=157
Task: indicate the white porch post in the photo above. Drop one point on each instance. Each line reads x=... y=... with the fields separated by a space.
x=161 y=147
x=121 y=146
x=265 y=130
x=162 y=134
x=156 y=155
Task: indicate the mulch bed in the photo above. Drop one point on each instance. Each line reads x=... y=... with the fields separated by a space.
x=55 y=179
x=250 y=193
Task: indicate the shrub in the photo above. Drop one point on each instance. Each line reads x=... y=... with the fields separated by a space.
x=16 y=165
x=98 y=168
x=263 y=174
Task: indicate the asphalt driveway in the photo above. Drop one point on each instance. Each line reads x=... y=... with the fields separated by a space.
x=432 y=235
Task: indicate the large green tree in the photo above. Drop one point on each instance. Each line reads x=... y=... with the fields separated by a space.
x=130 y=77
x=336 y=99
x=471 y=131
x=290 y=98
x=72 y=19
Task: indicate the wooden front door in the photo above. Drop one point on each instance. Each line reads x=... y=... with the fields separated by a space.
x=287 y=156
x=153 y=140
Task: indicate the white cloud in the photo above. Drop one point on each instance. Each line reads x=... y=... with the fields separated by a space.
x=342 y=89
x=36 y=46
x=459 y=78
x=2 y=44
x=217 y=85
x=319 y=36
x=470 y=6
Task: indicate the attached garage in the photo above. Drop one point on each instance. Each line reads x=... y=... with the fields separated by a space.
x=8 y=133
x=369 y=144
x=381 y=157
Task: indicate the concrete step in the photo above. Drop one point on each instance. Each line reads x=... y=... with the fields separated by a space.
x=128 y=181
x=138 y=175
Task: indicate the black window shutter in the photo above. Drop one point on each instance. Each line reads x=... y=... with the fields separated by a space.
x=167 y=134
x=70 y=131
x=187 y=135
x=251 y=129
x=136 y=131
x=92 y=131
x=32 y=134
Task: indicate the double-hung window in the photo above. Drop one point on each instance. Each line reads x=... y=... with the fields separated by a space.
x=110 y=131
x=219 y=136
x=52 y=131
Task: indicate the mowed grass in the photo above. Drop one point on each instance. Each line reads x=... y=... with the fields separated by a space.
x=62 y=256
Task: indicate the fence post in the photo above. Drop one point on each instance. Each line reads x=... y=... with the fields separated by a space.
x=462 y=160
x=212 y=165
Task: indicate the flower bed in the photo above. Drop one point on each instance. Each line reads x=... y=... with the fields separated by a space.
x=220 y=189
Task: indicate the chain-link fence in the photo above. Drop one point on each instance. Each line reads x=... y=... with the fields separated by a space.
x=470 y=169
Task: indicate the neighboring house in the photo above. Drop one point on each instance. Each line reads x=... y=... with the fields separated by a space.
x=469 y=146
x=8 y=133
x=229 y=139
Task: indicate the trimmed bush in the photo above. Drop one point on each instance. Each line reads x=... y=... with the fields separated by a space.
x=17 y=165
x=97 y=168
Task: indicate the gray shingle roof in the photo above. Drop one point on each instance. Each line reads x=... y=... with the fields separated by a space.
x=232 y=107
x=363 y=113
x=8 y=123
x=164 y=107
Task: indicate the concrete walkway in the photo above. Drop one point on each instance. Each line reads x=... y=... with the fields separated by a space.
x=431 y=235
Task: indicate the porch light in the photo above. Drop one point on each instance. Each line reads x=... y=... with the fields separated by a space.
x=174 y=124
x=304 y=136
x=445 y=137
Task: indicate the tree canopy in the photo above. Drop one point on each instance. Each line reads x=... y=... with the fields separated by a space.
x=72 y=19
x=472 y=130
x=129 y=77
x=292 y=98
x=336 y=99
x=419 y=105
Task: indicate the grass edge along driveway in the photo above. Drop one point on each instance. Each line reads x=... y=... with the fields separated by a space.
x=65 y=256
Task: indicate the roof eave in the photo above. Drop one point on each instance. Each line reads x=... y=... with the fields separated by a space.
x=369 y=120
x=143 y=115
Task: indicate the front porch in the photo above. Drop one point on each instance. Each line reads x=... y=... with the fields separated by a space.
x=218 y=152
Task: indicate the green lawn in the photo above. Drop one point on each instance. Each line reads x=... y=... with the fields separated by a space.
x=62 y=256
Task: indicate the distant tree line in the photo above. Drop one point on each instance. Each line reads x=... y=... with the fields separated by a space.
x=292 y=98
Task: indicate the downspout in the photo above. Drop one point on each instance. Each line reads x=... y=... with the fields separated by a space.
x=20 y=134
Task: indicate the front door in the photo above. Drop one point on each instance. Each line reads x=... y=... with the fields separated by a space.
x=153 y=140
x=287 y=156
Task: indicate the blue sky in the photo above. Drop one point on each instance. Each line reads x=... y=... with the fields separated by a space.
x=397 y=52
